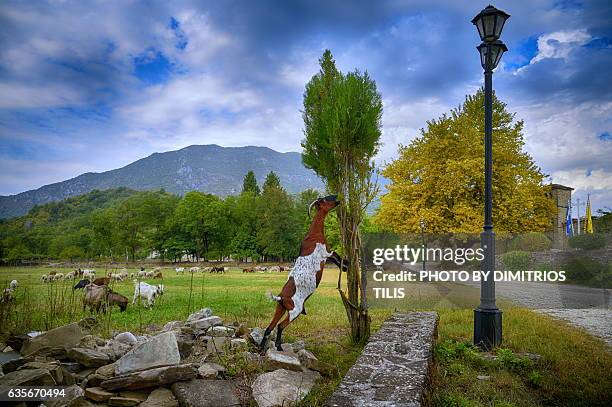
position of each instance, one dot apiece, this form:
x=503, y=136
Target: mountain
x=207, y=168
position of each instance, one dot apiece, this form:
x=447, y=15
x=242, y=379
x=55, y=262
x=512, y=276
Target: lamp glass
x=490, y=54
x=490, y=23
x=499, y=24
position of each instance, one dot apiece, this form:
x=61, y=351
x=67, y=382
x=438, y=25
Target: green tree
x=342, y=118
x=104, y=233
x=439, y=177
x=280, y=230
x=272, y=182
x=72, y=253
x=203, y=218
x=130, y=228
x=249, y=184
x=244, y=215
x=18, y=254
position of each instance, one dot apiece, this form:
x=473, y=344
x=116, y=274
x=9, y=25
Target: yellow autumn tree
x=439, y=177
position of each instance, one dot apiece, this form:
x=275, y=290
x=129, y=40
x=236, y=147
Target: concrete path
x=584, y=307
x=394, y=368
x=594, y=320
x=549, y=295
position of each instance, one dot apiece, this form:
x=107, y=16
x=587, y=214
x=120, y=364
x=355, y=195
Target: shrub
x=511, y=361
x=531, y=242
x=516, y=260
x=585, y=269
x=534, y=378
x=588, y=241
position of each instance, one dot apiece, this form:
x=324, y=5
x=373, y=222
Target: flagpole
x=578, y=212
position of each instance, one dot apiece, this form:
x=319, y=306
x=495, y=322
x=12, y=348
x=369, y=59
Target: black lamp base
x=487, y=328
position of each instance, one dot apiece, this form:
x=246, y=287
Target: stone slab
x=395, y=365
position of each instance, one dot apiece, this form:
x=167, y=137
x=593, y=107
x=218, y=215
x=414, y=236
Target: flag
x=588, y=221
x=569, y=225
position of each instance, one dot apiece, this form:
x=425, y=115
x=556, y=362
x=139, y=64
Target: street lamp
x=423, y=224
x=487, y=317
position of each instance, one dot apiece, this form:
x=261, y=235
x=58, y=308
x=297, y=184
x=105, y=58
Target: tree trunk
x=355, y=303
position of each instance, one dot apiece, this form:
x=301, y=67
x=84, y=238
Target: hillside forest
x=259, y=224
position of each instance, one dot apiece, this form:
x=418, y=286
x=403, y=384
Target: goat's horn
x=310, y=206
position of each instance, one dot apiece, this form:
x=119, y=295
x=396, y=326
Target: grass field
x=575, y=368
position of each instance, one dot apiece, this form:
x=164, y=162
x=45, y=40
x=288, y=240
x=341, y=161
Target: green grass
x=575, y=368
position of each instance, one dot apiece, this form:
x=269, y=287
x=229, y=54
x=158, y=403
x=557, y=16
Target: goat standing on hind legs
x=306, y=275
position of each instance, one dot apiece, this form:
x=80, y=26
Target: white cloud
x=182, y=97
x=25, y=95
x=582, y=179
x=558, y=44
x=561, y=136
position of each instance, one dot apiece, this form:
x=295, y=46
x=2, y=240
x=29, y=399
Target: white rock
x=221, y=331
x=172, y=325
x=205, y=323
x=126, y=337
x=203, y=313
x=210, y=370
x=282, y=387
x=239, y=343
x=160, y=350
x=282, y=360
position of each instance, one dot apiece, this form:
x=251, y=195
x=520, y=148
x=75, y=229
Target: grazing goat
x=306, y=274
x=89, y=274
x=69, y=276
x=81, y=284
x=141, y=274
x=13, y=285
x=102, y=281
x=158, y=274
x=248, y=270
x=7, y=296
x=94, y=297
x=147, y=292
x=179, y=270
x=217, y=270
x=194, y=270
x=113, y=298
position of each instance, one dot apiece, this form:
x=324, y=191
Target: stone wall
x=395, y=366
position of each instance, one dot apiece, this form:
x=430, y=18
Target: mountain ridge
x=207, y=168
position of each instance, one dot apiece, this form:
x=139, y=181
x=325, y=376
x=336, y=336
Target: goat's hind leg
x=278, y=314
x=279, y=332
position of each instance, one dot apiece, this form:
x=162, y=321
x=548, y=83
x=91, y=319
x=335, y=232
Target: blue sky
x=91, y=86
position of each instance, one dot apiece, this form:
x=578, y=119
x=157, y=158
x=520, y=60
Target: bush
x=531, y=242
x=516, y=260
x=585, y=269
x=588, y=241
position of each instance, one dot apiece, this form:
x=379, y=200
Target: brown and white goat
x=306, y=275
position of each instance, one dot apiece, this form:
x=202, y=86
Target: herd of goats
x=99, y=295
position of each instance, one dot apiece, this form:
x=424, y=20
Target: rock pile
x=181, y=365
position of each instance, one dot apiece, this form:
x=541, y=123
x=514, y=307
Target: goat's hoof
x=279, y=348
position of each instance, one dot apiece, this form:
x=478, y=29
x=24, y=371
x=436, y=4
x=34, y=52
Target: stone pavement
x=594, y=320
x=395, y=366
x=585, y=307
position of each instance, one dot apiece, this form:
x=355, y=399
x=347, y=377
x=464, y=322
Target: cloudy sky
x=94, y=85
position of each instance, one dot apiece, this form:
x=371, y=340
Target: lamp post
x=423, y=224
x=487, y=317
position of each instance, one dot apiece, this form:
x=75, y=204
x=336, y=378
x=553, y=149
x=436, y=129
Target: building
x=561, y=195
